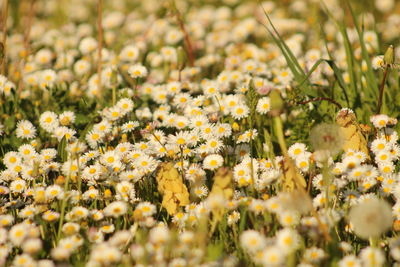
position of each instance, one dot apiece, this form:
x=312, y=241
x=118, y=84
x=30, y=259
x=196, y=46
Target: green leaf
x=372, y=85
x=215, y=251
x=82, y=119
x=62, y=152
x=291, y=60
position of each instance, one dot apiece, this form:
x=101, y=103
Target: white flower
x=25, y=130
x=288, y=240
x=159, y=235
x=18, y=186
x=67, y=118
x=213, y=161
x=252, y=241
x=211, y=89
x=47, y=78
x=129, y=53
x=384, y=5
x=314, y=254
x=349, y=261
x=263, y=105
x=372, y=257
x=240, y=111
x=116, y=209
x=377, y=62
x=87, y=45
x=48, y=121
x=296, y=150
x=273, y=256
x=146, y=208
x=82, y=67
x=18, y=233
x=137, y=71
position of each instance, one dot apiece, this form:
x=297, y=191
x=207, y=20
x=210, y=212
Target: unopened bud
x=389, y=55
x=235, y=126
x=276, y=102
x=107, y=193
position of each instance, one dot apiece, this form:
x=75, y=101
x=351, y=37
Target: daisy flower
x=200, y=191
x=129, y=53
x=137, y=71
x=222, y=130
x=48, y=121
x=25, y=130
x=82, y=67
x=129, y=126
x=18, y=186
x=272, y=256
x=372, y=257
x=252, y=241
x=296, y=150
x=94, y=138
x=233, y=218
x=263, y=105
x=110, y=157
x=288, y=239
x=67, y=118
x=116, y=209
x=240, y=111
x=379, y=144
x=314, y=255
x=213, y=162
x=125, y=105
x=211, y=89
x=146, y=208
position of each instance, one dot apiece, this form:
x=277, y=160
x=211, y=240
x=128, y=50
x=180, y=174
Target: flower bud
x=389, y=56
x=276, y=102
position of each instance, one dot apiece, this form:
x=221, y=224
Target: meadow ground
x=199, y=133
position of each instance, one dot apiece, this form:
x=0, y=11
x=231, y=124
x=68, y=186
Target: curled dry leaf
x=172, y=188
x=352, y=132
x=291, y=176
x=223, y=183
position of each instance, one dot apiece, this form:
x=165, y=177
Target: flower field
x=199, y=133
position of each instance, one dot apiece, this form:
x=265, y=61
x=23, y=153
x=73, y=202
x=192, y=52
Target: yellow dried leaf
x=223, y=183
x=222, y=187
x=172, y=188
x=352, y=132
x=291, y=175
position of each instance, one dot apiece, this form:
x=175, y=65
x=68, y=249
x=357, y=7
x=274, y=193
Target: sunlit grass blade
x=290, y=58
x=372, y=84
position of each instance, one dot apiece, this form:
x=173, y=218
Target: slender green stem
x=100, y=43
x=114, y=95
x=326, y=176
x=381, y=89
x=63, y=206
x=4, y=40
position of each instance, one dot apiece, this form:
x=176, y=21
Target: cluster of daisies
x=194, y=85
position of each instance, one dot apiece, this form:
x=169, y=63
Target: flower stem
x=320, y=99
x=63, y=204
x=100, y=43
x=4, y=40
x=381, y=89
